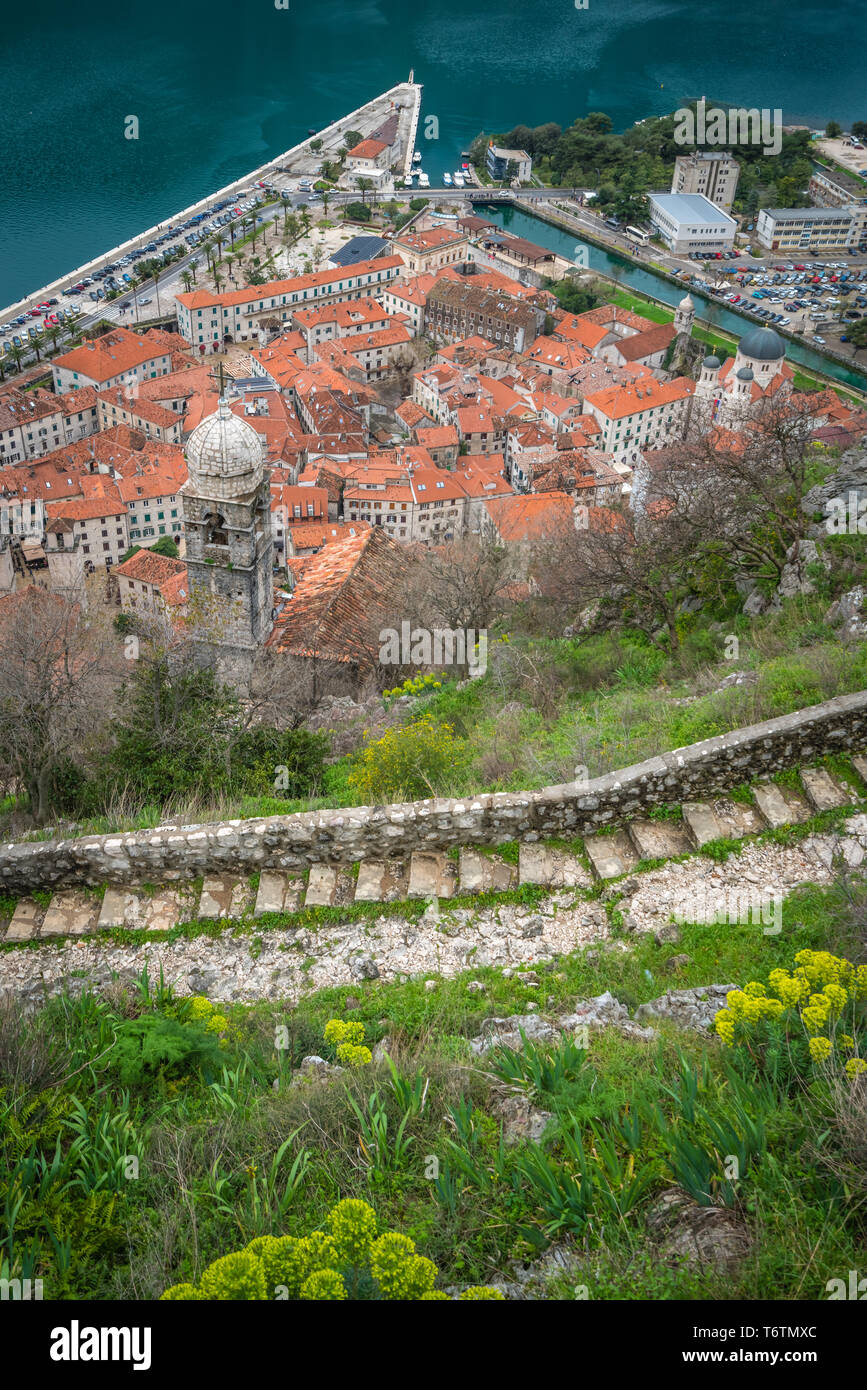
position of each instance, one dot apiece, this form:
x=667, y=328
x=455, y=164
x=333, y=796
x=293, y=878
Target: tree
x=364, y=186
x=187, y=280
x=156, y=279
x=357, y=212
x=738, y=496
x=57, y=677
x=857, y=334
x=574, y=298
x=833, y=129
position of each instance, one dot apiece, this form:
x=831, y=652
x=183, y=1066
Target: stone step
x=720, y=820
x=277, y=893
x=825, y=790
x=485, y=873
x=701, y=822
x=611, y=855
x=25, y=921
x=321, y=886
x=780, y=805
x=547, y=867
x=859, y=762
x=381, y=881
x=224, y=896
x=138, y=910
x=738, y=818
x=659, y=839
x=431, y=875
x=71, y=912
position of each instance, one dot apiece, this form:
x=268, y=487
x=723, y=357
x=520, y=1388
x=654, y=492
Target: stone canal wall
x=171, y=853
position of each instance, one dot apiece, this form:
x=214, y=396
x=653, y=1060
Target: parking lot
x=88, y=299
x=816, y=299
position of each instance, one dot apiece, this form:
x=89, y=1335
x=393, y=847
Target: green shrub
x=414, y=761
x=154, y=1046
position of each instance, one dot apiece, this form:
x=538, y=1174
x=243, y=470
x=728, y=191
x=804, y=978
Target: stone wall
x=170, y=852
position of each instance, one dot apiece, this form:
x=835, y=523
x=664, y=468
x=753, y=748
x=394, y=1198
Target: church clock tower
x=229, y=547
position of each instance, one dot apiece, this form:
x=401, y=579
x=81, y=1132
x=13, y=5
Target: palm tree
x=54, y=334
x=219, y=239
x=37, y=335
x=156, y=279
x=363, y=185
x=228, y=262
x=17, y=353
x=306, y=220
x=325, y=200
x=187, y=279
x=293, y=227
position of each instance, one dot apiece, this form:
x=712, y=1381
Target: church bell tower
x=229, y=546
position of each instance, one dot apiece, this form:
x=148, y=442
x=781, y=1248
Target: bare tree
x=57, y=676
x=630, y=564
x=739, y=490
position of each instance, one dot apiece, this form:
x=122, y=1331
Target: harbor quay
x=303, y=159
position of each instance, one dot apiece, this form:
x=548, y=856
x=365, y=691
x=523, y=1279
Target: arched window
x=215, y=529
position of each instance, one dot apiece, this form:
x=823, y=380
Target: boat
x=447, y=180
x=416, y=158
x=458, y=179
x=407, y=183
x=423, y=180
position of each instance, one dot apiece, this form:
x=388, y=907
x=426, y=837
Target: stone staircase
x=436, y=874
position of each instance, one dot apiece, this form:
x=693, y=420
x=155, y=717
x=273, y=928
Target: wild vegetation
x=149, y=1141
x=623, y=168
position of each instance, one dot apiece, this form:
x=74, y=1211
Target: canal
x=643, y=281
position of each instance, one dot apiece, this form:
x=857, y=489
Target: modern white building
x=811, y=229
x=691, y=222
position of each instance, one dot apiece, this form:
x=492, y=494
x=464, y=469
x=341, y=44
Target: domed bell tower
x=229, y=546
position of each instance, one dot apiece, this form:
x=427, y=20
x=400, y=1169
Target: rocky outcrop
x=849, y=615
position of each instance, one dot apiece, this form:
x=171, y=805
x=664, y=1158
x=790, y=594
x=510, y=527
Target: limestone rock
x=689, y=1008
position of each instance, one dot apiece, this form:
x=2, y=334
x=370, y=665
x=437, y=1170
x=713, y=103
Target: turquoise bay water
x=221, y=87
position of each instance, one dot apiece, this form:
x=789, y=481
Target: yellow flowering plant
x=349, y=1261
x=809, y=1001
x=347, y=1038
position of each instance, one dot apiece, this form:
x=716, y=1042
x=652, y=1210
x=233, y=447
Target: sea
x=221, y=86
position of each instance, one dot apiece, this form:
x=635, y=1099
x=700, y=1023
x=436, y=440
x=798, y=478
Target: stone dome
x=745, y=374
x=225, y=455
x=686, y=304
x=711, y=361
x=762, y=344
